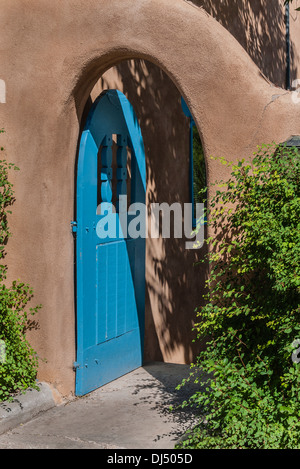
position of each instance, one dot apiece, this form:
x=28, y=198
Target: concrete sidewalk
x=132, y=412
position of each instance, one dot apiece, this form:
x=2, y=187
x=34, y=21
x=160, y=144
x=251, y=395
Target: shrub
x=251, y=317
x=18, y=361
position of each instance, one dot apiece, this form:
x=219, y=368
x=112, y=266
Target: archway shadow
x=174, y=280
x=160, y=389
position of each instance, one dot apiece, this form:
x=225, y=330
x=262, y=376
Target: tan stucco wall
x=295, y=40
x=52, y=54
x=259, y=26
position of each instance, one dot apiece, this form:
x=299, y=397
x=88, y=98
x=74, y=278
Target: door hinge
x=74, y=227
x=76, y=365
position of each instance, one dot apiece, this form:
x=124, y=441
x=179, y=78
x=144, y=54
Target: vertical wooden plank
x=101, y=300
x=121, y=291
x=110, y=292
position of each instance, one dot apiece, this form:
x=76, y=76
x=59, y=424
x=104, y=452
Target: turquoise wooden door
x=110, y=265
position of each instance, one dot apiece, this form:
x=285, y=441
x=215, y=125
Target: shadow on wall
x=174, y=284
x=259, y=26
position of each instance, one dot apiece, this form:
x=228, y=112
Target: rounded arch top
x=221, y=85
x=188, y=44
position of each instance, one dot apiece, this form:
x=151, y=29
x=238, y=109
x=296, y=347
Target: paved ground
x=130, y=413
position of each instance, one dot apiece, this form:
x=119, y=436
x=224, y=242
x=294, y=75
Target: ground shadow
x=166, y=399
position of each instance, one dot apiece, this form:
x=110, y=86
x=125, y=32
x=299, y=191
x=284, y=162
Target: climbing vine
x=18, y=360
x=250, y=371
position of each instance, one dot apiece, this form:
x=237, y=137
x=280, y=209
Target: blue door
x=110, y=264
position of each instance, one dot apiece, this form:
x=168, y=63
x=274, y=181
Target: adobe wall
x=52, y=54
x=260, y=27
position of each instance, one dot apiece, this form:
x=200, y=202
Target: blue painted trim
x=187, y=113
x=192, y=125
x=185, y=108
x=288, y=47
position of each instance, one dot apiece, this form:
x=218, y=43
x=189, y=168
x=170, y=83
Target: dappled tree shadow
x=259, y=26
x=166, y=397
x=174, y=280
x=174, y=284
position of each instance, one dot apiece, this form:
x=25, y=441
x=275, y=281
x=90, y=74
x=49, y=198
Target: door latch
x=74, y=227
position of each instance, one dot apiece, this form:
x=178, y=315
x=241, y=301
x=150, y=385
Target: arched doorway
x=218, y=82
x=173, y=289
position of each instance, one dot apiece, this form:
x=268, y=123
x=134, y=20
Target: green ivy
x=250, y=393
x=18, y=360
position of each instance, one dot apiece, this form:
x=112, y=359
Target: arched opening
x=234, y=107
x=174, y=285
